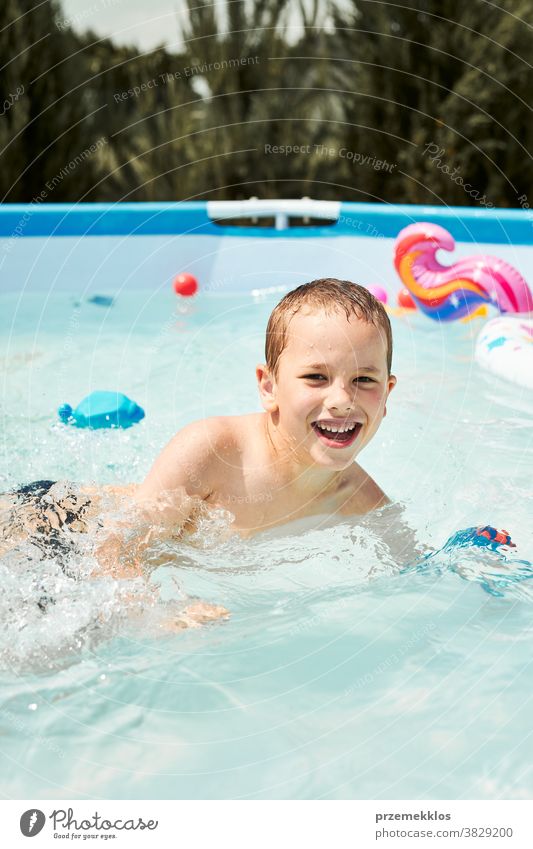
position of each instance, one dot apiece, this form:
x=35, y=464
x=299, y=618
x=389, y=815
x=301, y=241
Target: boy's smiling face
x=328, y=398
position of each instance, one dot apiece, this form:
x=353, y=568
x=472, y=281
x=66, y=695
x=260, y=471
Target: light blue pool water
x=337, y=675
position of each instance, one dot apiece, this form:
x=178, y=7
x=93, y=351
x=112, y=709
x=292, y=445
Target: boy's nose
x=340, y=399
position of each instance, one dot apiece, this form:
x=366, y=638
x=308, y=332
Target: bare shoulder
x=192, y=459
x=206, y=435
x=363, y=494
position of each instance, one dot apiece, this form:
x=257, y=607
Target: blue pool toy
x=101, y=300
x=484, y=537
x=497, y=574
x=102, y=409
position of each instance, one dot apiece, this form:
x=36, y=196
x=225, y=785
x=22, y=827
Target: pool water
x=342, y=671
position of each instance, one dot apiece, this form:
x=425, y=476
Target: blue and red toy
x=485, y=537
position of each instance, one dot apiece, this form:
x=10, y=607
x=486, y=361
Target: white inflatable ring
x=505, y=347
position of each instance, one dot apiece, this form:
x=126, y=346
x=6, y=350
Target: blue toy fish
x=102, y=410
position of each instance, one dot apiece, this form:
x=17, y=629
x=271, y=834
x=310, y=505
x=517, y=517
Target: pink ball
x=185, y=284
x=379, y=293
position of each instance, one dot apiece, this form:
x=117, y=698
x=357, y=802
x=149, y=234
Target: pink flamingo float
x=446, y=293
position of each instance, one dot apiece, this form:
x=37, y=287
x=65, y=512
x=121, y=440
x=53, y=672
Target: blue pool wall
x=109, y=248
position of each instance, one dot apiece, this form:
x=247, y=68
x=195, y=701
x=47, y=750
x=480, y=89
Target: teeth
x=336, y=429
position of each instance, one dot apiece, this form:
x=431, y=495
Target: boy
x=324, y=389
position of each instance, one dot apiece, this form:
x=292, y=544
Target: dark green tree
x=408, y=98
x=440, y=88
x=53, y=121
x=258, y=94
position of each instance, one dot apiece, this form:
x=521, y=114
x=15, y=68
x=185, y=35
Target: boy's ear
x=267, y=388
x=392, y=383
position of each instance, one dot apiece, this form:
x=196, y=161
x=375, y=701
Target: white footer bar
x=269, y=824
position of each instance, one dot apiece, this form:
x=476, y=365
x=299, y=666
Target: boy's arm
x=182, y=477
x=407, y=550
x=368, y=499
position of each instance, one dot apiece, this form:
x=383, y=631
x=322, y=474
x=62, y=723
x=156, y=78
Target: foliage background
x=379, y=79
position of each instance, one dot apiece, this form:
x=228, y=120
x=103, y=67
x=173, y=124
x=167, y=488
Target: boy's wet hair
x=330, y=295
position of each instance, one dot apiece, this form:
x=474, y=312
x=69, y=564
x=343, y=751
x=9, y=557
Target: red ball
x=185, y=284
x=405, y=300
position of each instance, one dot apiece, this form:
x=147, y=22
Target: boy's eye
x=319, y=377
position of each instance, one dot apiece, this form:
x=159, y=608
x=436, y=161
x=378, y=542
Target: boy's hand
x=194, y=615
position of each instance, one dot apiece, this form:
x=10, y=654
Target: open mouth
x=337, y=436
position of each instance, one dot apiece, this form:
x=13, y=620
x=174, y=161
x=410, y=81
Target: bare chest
x=258, y=502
